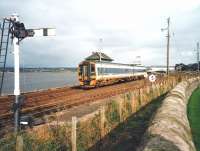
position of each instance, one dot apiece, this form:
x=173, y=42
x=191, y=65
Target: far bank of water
x=194, y=116
x=32, y=81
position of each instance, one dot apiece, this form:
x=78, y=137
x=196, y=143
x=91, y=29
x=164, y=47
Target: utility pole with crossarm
x=168, y=41
x=197, y=50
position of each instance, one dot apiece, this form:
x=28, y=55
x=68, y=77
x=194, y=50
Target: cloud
x=128, y=28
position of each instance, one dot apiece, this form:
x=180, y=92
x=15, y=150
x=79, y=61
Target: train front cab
x=87, y=74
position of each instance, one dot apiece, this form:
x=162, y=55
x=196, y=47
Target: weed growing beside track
x=193, y=116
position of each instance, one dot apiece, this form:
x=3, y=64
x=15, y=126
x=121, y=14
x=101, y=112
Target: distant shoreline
x=40, y=80
x=42, y=69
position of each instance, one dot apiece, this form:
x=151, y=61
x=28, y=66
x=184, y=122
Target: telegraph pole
x=100, y=48
x=168, y=42
x=197, y=56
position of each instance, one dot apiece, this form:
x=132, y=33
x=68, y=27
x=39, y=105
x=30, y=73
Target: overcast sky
x=129, y=28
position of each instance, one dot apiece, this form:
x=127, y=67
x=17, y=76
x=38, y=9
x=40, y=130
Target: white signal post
x=16, y=76
x=16, y=61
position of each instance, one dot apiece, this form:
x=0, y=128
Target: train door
x=86, y=72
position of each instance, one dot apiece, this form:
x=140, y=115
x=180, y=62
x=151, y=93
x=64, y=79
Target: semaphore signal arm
x=19, y=31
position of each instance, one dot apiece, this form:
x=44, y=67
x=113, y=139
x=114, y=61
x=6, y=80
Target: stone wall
x=170, y=129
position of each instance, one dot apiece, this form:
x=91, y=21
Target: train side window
x=104, y=71
x=107, y=70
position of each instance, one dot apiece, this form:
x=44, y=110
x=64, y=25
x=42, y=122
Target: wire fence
x=88, y=132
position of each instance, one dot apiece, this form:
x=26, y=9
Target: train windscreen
x=80, y=70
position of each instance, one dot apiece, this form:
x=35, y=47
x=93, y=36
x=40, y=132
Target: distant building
x=161, y=69
x=184, y=67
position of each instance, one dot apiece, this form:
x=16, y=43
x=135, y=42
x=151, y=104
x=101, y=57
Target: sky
x=128, y=28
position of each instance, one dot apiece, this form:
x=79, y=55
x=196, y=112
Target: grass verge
x=193, y=116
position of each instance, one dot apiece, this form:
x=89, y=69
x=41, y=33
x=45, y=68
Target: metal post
x=100, y=56
x=16, y=79
x=100, y=48
x=168, y=40
x=198, y=57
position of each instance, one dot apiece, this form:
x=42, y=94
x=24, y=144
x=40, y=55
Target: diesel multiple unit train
x=98, y=73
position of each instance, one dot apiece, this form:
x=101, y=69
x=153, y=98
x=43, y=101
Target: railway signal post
x=18, y=33
x=16, y=77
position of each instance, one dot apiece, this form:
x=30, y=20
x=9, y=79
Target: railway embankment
x=170, y=129
x=93, y=131
x=102, y=128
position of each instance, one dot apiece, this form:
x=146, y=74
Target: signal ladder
x=4, y=42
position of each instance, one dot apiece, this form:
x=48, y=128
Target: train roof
x=97, y=56
x=113, y=63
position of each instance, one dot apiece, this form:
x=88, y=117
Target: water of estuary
x=33, y=81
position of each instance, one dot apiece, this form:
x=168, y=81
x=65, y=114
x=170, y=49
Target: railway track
x=38, y=104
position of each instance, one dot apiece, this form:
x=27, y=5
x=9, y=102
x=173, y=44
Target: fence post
x=145, y=94
x=19, y=143
x=161, y=87
x=153, y=90
x=133, y=104
x=120, y=111
x=148, y=94
x=141, y=96
x=73, y=135
x=102, y=121
x=158, y=89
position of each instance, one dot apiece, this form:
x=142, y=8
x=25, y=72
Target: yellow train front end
x=87, y=74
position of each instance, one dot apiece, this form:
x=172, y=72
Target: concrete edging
x=170, y=129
